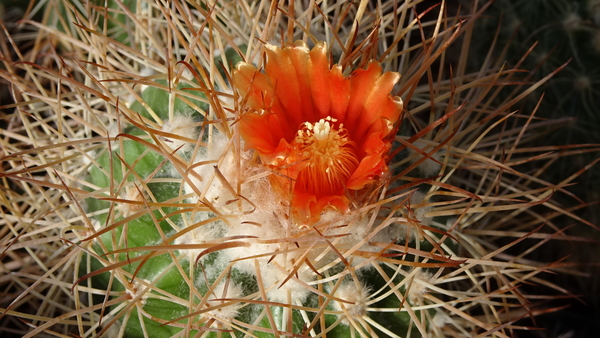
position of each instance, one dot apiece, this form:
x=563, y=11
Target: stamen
x=329, y=154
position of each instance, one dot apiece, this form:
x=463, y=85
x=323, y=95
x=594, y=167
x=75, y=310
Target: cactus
x=187, y=181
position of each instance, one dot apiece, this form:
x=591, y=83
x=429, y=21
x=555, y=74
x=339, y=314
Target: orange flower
x=326, y=134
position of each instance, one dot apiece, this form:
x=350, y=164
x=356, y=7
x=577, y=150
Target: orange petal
x=256, y=131
x=254, y=85
x=259, y=92
x=370, y=168
x=362, y=82
x=373, y=162
x=280, y=69
x=307, y=208
x=299, y=55
x=379, y=105
x=340, y=94
x=318, y=70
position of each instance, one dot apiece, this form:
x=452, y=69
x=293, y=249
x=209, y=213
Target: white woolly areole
x=421, y=211
x=428, y=167
x=134, y=198
x=202, y=234
x=136, y=289
x=114, y=128
x=355, y=296
x=183, y=126
x=440, y=319
x=355, y=234
x=418, y=286
x=215, y=172
x=292, y=290
x=411, y=229
x=145, y=72
x=222, y=295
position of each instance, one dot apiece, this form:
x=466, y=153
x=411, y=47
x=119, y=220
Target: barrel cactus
x=266, y=169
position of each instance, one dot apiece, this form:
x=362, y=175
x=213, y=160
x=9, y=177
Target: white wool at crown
x=220, y=295
x=184, y=126
x=265, y=222
x=262, y=223
x=205, y=182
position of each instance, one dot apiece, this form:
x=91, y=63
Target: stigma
x=321, y=129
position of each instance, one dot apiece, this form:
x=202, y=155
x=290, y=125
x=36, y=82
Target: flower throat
x=329, y=154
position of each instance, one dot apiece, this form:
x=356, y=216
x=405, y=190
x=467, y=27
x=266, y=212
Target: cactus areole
x=325, y=134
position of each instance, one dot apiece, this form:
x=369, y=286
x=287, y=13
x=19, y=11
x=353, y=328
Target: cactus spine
x=169, y=225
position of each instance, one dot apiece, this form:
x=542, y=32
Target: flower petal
x=373, y=163
x=256, y=87
x=362, y=82
x=307, y=208
x=340, y=94
x=257, y=134
x=318, y=71
x=280, y=69
x=299, y=55
x=379, y=104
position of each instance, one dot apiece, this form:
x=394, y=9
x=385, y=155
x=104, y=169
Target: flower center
x=330, y=156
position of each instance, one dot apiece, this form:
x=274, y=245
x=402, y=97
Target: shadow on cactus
x=299, y=169
x=540, y=36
